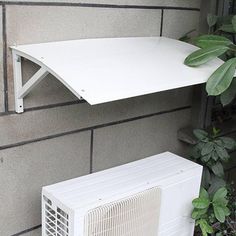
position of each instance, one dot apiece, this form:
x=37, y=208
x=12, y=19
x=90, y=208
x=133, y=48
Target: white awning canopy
x=105, y=70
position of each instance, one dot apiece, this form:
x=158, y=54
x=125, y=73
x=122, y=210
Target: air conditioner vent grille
x=56, y=221
x=136, y=215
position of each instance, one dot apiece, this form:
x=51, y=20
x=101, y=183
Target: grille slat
x=50, y=228
x=49, y=233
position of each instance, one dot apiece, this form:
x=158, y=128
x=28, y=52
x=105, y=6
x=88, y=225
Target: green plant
x=208, y=209
x=229, y=226
x=214, y=211
x=215, y=214
x=218, y=42
x=212, y=152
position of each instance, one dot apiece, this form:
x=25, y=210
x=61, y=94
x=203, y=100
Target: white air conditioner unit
x=149, y=197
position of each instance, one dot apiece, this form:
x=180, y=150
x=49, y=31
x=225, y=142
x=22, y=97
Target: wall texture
x=58, y=137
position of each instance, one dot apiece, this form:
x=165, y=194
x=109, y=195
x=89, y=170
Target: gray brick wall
x=58, y=137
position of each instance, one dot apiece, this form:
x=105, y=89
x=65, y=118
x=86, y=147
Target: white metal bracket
x=22, y=90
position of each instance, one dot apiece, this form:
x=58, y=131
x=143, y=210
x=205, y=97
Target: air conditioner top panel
x=109, y=69
x=109, y=185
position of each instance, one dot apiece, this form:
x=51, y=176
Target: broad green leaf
x=227, y=211
x=206, y=41
x=219, y=213
x=221, y=79
x=200, y=134
x=197, y=213
x=218, y=169
x=195, y=152
x=201, y=203
x=205, y=227
x=211, y=19
x=204, y=55
x=222, y=153
x=229, y=143
x=206, y=158
x=234, y=23
x=228, y=28
x=228, y=95
x=214, y=156
x=207, y=148
x=222, y=202
x=219, y=142
x=201, y=144
x=221, y=193
x=204, y=193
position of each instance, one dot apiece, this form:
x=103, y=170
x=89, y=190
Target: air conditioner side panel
x=176, y=207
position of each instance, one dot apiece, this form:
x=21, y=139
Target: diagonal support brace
x=22, y=90
x=32, y=82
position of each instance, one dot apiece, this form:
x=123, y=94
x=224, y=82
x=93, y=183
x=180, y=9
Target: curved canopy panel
x=104, y=70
